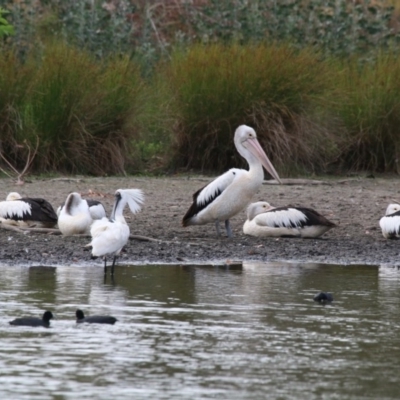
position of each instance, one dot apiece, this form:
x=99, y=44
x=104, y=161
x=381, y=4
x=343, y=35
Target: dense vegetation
x=153, y=86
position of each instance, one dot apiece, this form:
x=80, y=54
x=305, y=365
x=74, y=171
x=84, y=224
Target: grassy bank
x=103, y=116
x=141, y=87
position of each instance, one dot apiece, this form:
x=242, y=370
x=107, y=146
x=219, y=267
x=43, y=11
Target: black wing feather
x=41, y=208
x=195, y=208
x=312, y=217
x=92, y=203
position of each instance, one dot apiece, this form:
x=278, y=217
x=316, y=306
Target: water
x=203, y=332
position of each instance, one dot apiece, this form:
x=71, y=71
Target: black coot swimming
x=94, y=319
x=323, y=297
x=33, y=321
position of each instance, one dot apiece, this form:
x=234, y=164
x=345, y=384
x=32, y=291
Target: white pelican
x=109, y=236
x=17, y=210
x=74, y=216
x=228, y=194
x=96, y=209
x=390, y=223
x=94, y=319
x=266, y=221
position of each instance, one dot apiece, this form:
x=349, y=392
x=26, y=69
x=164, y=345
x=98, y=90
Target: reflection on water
x=247, y=332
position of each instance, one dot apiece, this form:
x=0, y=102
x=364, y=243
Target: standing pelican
x=264, y=220
x=74, y=216
x=109, y=236
x=228, y=194
x=390, y=223
x=17, y=210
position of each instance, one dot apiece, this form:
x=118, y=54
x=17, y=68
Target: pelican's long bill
x=256, y=149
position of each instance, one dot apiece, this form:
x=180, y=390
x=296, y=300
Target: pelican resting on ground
x=27, y=211
x=263, y=220
x=390, y=223
x=76, y=215
x=33, y=321
x=96, y=209
x=109, y=236
x=94, y=319
x=231, y=192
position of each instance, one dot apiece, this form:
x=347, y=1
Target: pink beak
x=258, y=152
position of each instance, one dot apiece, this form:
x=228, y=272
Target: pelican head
x=257, y=208
x=249, y=148
x=392, y=208
x=13, y=196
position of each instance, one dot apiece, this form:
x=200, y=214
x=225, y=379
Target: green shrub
x=147, y=29
x=5, y=28
x=334, y=27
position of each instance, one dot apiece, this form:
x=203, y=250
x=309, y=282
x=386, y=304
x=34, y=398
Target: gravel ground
x=354, y=204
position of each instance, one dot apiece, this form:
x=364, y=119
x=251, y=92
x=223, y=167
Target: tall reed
x=269, y=87
x=78, y=108
x=15, y=80
x=369, y=107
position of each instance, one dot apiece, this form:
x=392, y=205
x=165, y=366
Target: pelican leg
x=228, y=228
x=105, y=265
x=112, y=266
x=217, y=228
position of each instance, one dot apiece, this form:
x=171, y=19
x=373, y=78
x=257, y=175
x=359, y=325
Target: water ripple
x=202, y=332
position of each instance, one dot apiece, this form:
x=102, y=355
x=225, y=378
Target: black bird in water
x=94, y=319
x=33, y=321
x=323, y=297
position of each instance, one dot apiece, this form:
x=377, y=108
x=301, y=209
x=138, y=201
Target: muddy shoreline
x=354, y=204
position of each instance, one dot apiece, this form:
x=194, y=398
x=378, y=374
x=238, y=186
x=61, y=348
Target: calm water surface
x=203, y=332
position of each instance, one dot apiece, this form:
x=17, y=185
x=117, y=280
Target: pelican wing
x=15, y=209
x=41, y=207
x=108, y=237
x=135, y=199
x=291, y=217
x=99, y=227
x=207, y=194
x=313, y=217
x=390, y=225
x=282, y=217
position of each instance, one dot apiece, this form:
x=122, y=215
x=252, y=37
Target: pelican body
x=76, y=215
x=390, y=223
x=17, y=210
x=231, y=192
x=263, y=220
x=96, y=208
x=109, y=236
